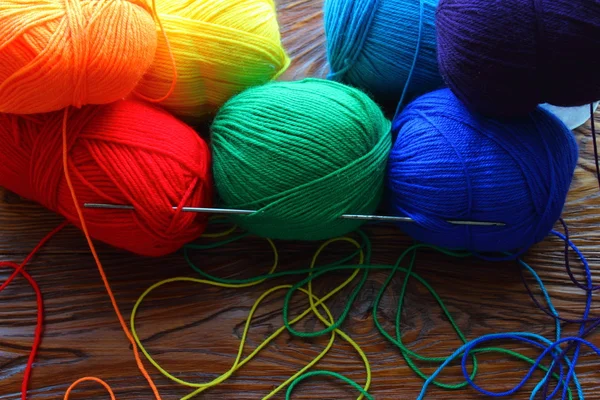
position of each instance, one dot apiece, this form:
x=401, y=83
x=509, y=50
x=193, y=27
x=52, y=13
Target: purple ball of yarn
x=504, y=57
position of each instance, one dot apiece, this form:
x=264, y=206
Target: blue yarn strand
x=356, y=17
x=524, y=337
x=588, y=303
x=415, y=58
x=548, y=347
x=547, y=377
x=558, y=332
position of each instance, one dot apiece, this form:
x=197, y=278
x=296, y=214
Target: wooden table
x=194, y=330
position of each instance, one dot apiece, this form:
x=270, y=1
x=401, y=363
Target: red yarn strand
x=39, y=326
x=33, y=252
x=37, y=338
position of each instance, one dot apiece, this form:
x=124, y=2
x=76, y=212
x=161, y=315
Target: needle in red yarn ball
x=126, y=152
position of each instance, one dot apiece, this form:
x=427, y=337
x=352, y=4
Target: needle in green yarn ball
x=301, y=154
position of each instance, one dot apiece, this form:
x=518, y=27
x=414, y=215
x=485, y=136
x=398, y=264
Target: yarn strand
x=171, y=57
x=37, y=248
x=592, y=117
x=588, y=305
x=20, y=269
x=538, y=341
x=315, y=302
x=414, y=62
x=37, y=336
x=65, y=160
x=361, y=390
x=90, y=379
x=588, y=289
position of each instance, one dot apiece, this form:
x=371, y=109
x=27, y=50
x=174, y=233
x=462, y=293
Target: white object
x=573, y=117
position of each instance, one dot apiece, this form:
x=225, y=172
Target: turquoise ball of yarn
x=301, y=154
x=450, y=164
x=384, y=47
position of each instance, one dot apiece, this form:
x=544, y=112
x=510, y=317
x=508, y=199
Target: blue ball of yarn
x=450, y=164
x=383, y=46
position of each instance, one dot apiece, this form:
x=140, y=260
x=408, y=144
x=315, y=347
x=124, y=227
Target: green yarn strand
x=340, y=265
x=290, y=389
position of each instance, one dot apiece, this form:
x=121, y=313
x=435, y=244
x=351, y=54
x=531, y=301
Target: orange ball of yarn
x=56, y=53
x=126, y=152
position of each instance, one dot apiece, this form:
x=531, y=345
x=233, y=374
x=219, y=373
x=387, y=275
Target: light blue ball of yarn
x=384, y=47
x=450, y=164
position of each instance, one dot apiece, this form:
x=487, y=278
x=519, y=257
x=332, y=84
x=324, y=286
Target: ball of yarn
x=124, y=153
x=301, y=154
x=450, y=164
x=56, y=53
x=383, y=46
x=220, y=48
x=506, y=57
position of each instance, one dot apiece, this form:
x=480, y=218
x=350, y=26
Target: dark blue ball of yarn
x=450, y=164
x=504, y=57
x=380, y=45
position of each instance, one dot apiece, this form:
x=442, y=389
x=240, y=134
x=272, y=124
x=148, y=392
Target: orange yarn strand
x=171, y=56
x=92, y=379
x=100, y=269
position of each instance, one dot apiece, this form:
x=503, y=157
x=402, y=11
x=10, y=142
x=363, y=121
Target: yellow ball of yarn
x=220, y=48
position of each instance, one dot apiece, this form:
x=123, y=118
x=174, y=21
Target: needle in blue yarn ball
x=448, y=163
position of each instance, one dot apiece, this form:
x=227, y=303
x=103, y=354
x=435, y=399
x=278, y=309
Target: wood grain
x=194, y=330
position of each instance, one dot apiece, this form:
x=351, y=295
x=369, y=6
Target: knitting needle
x=234, y=211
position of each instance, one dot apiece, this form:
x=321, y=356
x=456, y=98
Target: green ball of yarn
x=301, y=154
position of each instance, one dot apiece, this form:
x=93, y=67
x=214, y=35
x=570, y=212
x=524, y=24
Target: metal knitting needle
x=234, y=211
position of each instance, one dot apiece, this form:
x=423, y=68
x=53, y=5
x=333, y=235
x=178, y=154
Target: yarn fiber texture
x=124, y=153
x=450, y=164
x=220, y=48
x=57, y=53
x=301, y=154
x=375, y=44
x=504, y=57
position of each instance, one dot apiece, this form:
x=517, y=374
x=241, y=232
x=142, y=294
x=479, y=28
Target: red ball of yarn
x=126, y=152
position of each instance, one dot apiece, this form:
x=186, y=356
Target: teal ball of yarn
x=301, y=154
x=450, y=164
x=384, y=47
